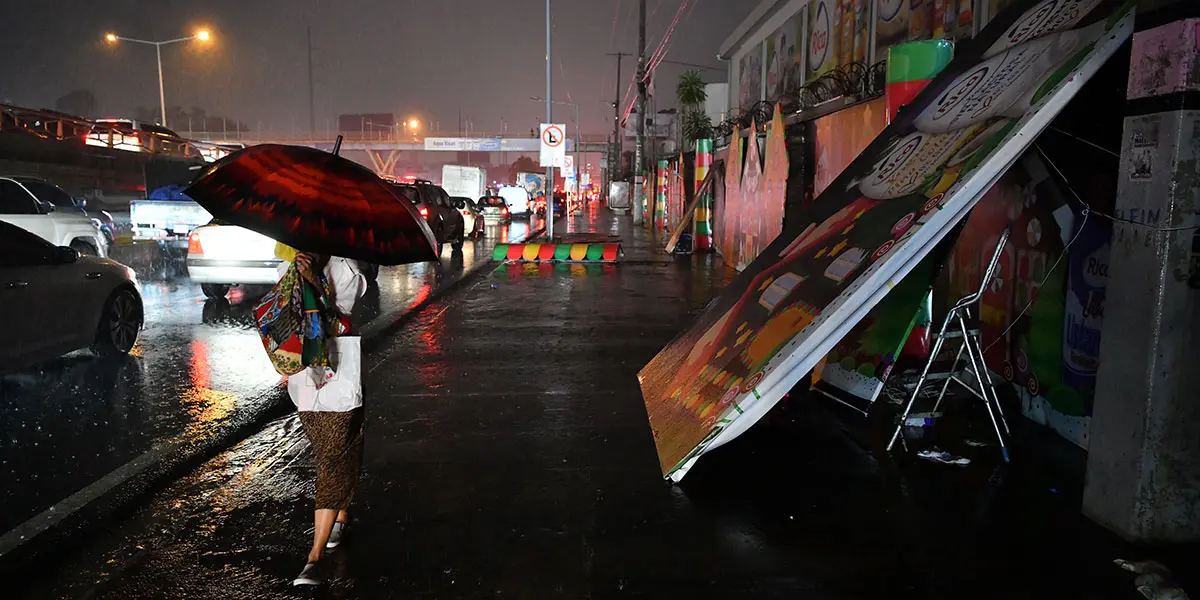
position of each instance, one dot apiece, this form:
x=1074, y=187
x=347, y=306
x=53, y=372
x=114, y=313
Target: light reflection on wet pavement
x=197, y=371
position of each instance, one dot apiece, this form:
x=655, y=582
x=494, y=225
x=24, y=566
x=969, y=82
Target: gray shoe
x=335, y=536
x=309, y=576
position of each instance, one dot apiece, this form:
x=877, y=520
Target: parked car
x=54, y=300
x=22, y=205
x=494, y=208
x=472, y=218
x=439, y=211
x=221, y=256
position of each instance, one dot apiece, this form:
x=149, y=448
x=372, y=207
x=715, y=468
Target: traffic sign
x=568, y=166
x=554, y=147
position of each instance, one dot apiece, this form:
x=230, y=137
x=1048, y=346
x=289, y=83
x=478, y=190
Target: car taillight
x=504, y=211
x=194, y=246
x=466, y=213
x=424, y=212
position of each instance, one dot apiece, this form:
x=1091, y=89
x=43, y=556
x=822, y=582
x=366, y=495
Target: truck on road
x=466, y=182
x=534, y=183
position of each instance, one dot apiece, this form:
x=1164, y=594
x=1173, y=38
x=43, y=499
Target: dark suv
x=439, y=211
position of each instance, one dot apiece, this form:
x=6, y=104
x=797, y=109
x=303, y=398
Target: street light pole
x=162, y=95
x=639, y=171
x=202, y=35
x=549, y=119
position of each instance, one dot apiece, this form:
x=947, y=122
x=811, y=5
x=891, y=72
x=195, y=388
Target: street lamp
x=414, y=124
x=202, y=35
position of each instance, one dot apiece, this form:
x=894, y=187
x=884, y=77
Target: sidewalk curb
x=50, y=534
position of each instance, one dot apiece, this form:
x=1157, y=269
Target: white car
x=54, y=301
x=20, y=205
x=472, y=218
x=517, y=199
x=221, y=256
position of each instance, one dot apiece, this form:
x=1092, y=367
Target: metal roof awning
x=878, y=219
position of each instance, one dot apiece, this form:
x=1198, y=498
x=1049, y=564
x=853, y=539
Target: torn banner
x=874, y=224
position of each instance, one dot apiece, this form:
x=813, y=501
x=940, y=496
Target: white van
x=517, y=199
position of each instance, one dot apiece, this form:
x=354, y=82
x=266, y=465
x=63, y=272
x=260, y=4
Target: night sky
x=427, y=59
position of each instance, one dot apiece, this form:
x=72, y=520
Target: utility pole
x=614, y=158
x=639, y=159
x=549, y=119
x=312, y=113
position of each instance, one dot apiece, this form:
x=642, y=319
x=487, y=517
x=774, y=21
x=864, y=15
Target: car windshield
x=491, y=201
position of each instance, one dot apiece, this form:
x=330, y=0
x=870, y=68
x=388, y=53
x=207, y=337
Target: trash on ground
x=943, y=457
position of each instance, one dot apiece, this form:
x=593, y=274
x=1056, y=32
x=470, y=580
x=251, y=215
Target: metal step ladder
x=971, y=374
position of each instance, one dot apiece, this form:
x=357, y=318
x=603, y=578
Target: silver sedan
x=54, y=301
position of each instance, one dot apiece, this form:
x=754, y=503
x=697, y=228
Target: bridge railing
x=62, y=127
x=362, y=136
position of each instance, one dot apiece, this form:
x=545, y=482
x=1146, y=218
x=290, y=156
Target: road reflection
x=198, y=368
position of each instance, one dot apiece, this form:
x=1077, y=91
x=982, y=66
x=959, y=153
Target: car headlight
x=97, y=223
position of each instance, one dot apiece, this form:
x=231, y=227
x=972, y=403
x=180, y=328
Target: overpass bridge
x=97, y=161
x=383, y=150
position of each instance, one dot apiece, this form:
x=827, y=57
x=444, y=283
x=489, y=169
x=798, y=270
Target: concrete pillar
x=1143, y=471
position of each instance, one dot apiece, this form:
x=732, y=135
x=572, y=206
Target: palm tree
x=691, y=91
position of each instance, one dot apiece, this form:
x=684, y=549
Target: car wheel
x=84, y=248
x=214, y=290
x=119, y=324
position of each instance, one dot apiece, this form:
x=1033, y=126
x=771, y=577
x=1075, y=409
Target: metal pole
x=312, y=113
x=162, y=96
x=640, y=147
x=549, y=119
x=614, y=158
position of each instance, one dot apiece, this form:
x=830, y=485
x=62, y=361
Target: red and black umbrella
x=315, y=201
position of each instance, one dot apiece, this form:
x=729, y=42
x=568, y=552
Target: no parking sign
x=553, y=145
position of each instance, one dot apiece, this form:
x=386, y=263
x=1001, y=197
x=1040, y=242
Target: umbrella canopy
x=315, y=201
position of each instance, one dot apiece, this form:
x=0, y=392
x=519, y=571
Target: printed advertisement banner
x=841, y=136
x=750, y=77
x=899, y=21
x=784, y=53
x=837, y=35
x=874, y=224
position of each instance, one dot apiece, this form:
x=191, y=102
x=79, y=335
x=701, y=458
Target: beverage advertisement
x=873, y=224
x=899, y=21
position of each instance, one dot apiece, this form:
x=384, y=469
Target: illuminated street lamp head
x=203, y=35
x=413, y=124
x=110, y=38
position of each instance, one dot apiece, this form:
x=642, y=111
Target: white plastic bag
x=343, y=390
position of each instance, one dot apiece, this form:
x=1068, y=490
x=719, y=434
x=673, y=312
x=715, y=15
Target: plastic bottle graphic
x=939, y=18
x=861, y=30
x=845, y=32
x=920, y=14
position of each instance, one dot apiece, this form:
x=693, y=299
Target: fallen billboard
x=874, y=224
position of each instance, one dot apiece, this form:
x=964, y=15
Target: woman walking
x=330, y=410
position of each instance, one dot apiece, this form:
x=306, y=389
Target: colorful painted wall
x=751, y=216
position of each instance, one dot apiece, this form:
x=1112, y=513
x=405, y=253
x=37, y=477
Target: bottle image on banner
x=919, y=20
x=845, y=32
x=939, y=18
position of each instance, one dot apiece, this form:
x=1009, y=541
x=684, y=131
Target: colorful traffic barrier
x=703, y=240
x=585, y=252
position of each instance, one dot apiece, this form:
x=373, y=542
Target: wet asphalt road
x=198, y=369
x=508, y=456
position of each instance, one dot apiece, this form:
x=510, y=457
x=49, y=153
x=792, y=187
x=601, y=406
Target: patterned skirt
x=337, y=442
